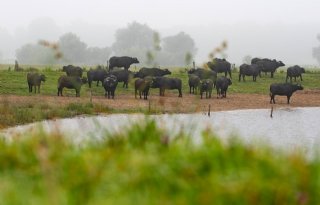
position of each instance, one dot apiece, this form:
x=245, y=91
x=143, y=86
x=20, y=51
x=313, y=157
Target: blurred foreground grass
x=143, y=166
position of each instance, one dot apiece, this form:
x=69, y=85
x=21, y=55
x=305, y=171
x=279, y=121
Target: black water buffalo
x=255, y=60
x=283, y=89
x=71, y=82
x=249, y=70
x=204, y=74
x=155, y=72
x=194, y=82
x=206, y=86
x=110, y=84
x=72, y=70
x=122, y=76
x=167, y=83
x=96, y=75
x=295, y=71
x=220, y=66
x=268, y=65
x=143, y=86
x=34, y=79
x=222, y=86
x=123, y=61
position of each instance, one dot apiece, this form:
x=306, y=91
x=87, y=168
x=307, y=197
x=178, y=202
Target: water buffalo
x=167, y=83
x=143, y=72
x=194, y=82
x=222, y=86
x=204, y=74
x=110, y=84
x=268, y=65
x=283, y=89
x=96, y=75
x=143, y=86
x=295, y=71
x=71, y=82
x=72, y=70
x=249, y=70
x=220, y=66
x=206, y=86
x=123, y=61
x=122, y=76
x=34, y=79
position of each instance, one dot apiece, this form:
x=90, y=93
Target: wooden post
x=271, y=112
x=149, y=106
x=209, y=110
x=90, y=95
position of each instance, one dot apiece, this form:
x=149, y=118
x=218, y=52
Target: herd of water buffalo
x=200, y=79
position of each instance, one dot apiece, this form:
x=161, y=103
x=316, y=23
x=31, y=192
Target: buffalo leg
x=288, y=99
x=300, y=77
x=180, y=93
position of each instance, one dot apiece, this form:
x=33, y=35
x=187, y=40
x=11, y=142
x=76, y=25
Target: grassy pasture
x=14, y=83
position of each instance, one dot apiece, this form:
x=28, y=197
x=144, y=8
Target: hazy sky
x=169, y=16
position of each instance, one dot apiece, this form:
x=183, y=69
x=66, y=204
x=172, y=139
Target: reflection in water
x=289, y=128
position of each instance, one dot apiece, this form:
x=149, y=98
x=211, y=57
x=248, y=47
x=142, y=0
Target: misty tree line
x=137, y=40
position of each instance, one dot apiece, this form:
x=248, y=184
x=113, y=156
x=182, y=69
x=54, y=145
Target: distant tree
x=73, y=50
x=316, y=51
x=247, y=59
x=35, y=54
x=95, y=55
x=176, y=48
x=188, y=58
x=135, y=40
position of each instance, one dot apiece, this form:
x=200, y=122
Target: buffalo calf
x=34, y=79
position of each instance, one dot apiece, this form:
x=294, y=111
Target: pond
x=289, y=128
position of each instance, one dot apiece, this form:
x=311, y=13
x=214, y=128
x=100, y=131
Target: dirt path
x=171, y=103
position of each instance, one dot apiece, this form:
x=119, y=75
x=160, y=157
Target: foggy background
x=283, y=29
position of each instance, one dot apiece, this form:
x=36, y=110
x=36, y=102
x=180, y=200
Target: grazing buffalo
x=204, y=74
x=222, y=86
x=34, y=79
x=122, y=76
x=249, y=70
x=220, y=66
x=155, y=72
x=206, y=86
x=71, y=82
x=143, y=86
x=194, y=82
x=295, y=71
x=283, y=89
x=123, y=61
x=167, y=83
x=110, y=84
x=96, y=75
x=72, y=70
x=268, y=65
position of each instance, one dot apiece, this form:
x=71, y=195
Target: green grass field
x=14, y=83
